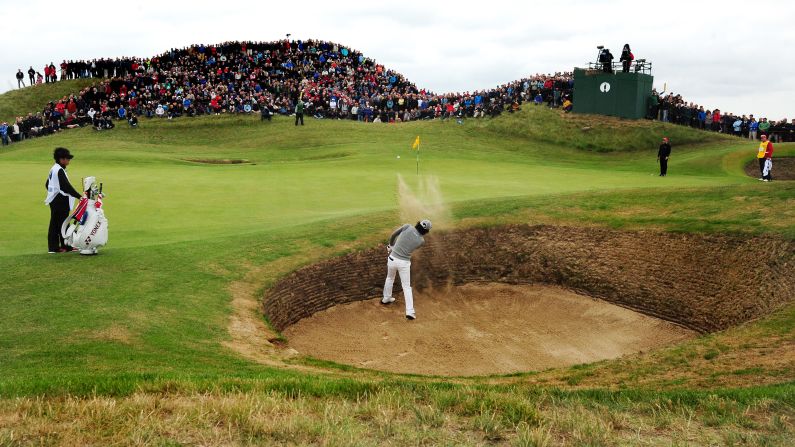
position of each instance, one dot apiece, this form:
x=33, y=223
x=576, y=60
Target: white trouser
x=395, y=265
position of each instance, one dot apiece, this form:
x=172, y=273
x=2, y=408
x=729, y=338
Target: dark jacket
x=665, y=150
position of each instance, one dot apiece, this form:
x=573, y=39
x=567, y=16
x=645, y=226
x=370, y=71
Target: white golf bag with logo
x=87, y=228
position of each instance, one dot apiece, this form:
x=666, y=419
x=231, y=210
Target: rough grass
x=134, y=347
x=594, y=132
x=419, y=416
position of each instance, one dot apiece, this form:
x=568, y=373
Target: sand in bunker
x=480, y=329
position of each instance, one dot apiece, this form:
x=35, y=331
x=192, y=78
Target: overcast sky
x=736, y=56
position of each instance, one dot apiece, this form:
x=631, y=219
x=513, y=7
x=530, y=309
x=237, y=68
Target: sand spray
x=425, y=201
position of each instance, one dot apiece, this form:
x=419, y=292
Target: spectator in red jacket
x=71, y=107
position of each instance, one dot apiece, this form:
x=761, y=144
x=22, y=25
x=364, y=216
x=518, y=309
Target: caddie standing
x=60, y=196
x=402, y=243
x=765, y=156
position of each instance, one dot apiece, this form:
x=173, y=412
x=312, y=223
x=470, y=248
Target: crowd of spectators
x=331, y=82
x=673, y=109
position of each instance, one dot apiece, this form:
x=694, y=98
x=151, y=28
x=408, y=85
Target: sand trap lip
x=218, y=161
x=480, y=329
x=700, y=282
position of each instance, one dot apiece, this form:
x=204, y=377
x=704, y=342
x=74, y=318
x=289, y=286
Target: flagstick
x=418, y=160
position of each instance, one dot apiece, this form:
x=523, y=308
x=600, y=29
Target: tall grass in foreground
x=457, y=416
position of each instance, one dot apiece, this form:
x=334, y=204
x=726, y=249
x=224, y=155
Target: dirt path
x=480, y=329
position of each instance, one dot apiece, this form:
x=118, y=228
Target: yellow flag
x=416, y=145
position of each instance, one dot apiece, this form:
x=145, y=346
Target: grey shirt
x=405, y=240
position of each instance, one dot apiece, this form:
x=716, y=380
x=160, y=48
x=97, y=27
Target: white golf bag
x=87, y=228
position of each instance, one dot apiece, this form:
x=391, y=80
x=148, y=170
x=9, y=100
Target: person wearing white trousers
x=402, y=243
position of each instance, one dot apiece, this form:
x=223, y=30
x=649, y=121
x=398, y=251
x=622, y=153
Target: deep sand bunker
x=496, y=300
x=479, y=329
x=783, y=168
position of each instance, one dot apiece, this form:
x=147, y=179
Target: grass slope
x=20, y=102
x=144, y=329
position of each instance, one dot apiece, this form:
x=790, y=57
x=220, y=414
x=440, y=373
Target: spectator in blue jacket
x=4, y=133
x=702, y=118
x=753, y=127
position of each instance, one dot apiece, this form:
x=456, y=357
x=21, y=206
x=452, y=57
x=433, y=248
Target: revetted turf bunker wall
x=703, y=282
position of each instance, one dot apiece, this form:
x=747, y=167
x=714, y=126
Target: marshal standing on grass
x=402, y=243
x=60, y=197
x=662, y=156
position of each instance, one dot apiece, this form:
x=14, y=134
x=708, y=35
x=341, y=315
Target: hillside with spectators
x=329, y=81
x=320, y=79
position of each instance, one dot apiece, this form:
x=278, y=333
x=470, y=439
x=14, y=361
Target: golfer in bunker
x=402, y=243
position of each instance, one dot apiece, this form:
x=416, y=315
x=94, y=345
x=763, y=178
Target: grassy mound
x=594, y=132
x=161, y=336
x=20, y=102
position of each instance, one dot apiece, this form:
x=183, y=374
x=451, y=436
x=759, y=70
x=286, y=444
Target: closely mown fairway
x=140, y=344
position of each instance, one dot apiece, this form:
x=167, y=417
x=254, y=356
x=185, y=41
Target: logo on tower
x=605, y=87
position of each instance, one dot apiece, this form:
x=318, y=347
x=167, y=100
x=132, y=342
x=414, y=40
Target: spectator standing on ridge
x=16, y=133
x=737, y=127
x=32, y=75
x=765, y=156
x=20, y=79
x=764, y=126
x=4, y=133
x=716, y=120
x=654, y=105
x=753, y=126
x=299, y=112
x=626, y=58
x=662, y=156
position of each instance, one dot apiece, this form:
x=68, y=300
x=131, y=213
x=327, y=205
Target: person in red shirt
x=765, y=156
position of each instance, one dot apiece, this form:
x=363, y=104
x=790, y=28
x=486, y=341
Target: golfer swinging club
x=402, y=243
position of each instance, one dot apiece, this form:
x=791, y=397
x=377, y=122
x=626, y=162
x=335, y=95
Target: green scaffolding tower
x=615, y=94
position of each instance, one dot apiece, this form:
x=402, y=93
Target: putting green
x=325, y=170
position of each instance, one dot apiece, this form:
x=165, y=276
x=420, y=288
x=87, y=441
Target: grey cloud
x=715, y=56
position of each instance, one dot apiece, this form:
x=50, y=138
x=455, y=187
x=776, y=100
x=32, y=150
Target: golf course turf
x=161, y=338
